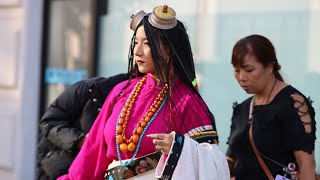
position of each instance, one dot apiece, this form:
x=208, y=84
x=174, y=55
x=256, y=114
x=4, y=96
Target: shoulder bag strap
x=255, y=150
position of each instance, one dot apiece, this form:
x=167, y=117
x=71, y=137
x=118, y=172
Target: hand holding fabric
x=162, y=142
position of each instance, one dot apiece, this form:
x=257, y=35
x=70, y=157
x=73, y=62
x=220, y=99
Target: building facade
x=20, y=50
x=47, y=45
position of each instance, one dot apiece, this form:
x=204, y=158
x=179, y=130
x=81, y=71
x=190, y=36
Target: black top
x=277, y=130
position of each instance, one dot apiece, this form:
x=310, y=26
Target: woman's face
x=253, y=76
x=142, y=53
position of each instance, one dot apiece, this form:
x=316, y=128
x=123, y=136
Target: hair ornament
x=163, y=17
x=195, y=83
x=135, y=19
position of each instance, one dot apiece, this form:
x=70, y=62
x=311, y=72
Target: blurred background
x=48, y=45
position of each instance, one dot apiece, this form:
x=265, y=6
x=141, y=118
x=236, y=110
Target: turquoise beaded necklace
x=143, y=132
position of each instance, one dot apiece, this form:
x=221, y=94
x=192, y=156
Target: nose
x=138, y=51
x=242, y=76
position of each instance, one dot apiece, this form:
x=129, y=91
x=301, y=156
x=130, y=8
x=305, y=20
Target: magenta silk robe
x=99, y=149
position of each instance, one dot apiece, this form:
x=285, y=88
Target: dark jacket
x=67, y=120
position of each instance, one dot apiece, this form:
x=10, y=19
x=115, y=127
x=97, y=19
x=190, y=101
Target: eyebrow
x=142, y=38
x=248, y=65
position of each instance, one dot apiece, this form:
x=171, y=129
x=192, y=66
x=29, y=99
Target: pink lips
x=140, y=62
x=245, y=88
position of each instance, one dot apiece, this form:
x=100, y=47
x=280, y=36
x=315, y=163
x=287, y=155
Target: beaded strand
x=124, y=117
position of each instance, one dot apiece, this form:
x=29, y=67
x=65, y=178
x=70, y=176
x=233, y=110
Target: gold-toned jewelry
x=163, y=17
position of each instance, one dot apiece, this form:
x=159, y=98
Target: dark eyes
x=146, y=43
x=247, y=70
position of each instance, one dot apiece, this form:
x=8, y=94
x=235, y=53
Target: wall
x=20, y=29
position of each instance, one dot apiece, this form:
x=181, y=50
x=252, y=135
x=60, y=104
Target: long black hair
x=177, y=45
x=179, y=65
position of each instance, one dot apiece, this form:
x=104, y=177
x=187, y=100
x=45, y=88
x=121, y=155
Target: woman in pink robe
x=163, y=68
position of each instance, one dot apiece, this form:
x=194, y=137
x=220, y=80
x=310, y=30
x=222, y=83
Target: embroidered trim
x=203, y=133
x=205, y=136
x=174, y=157
x=199, y=129
x=137, y=167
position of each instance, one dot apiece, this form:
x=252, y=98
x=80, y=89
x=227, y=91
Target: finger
x=158, y=142
x=156, y=136
x=152, y=135
x=160, y=149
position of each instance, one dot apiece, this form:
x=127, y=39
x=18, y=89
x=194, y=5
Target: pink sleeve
x=191, y=113
x=92, y=162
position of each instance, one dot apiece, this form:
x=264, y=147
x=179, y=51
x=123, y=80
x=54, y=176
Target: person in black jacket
x=67, y=121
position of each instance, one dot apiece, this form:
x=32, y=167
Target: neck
x=155, y=77
x=265, y=96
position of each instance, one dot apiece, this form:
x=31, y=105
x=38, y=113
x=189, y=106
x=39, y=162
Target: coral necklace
x=133, y=143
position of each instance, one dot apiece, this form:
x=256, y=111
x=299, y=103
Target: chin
x=142, y=71
x=248, y=91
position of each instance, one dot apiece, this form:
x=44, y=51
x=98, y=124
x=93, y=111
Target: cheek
x=256, y=77
x=149, y=56
x=256, y=80
x=148, y=52
x=236, y=75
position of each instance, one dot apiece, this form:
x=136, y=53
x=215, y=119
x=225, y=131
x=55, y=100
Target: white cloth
x=199, y=162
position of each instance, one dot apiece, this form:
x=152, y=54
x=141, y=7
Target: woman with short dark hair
x=272, y=132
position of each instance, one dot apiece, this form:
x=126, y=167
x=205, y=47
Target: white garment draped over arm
x=202, y=161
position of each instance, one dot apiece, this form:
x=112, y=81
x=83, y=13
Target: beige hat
x=135, y=19
x=163, y=17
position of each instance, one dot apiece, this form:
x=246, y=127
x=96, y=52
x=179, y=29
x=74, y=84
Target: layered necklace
x=131, y=144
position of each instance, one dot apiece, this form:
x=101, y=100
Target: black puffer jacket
x=67, y=120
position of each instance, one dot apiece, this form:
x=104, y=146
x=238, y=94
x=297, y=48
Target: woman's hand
x=162, y=142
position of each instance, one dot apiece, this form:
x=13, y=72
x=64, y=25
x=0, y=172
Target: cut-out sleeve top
x=278, y=129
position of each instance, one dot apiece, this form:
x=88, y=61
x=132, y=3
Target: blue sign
x=64, y=76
